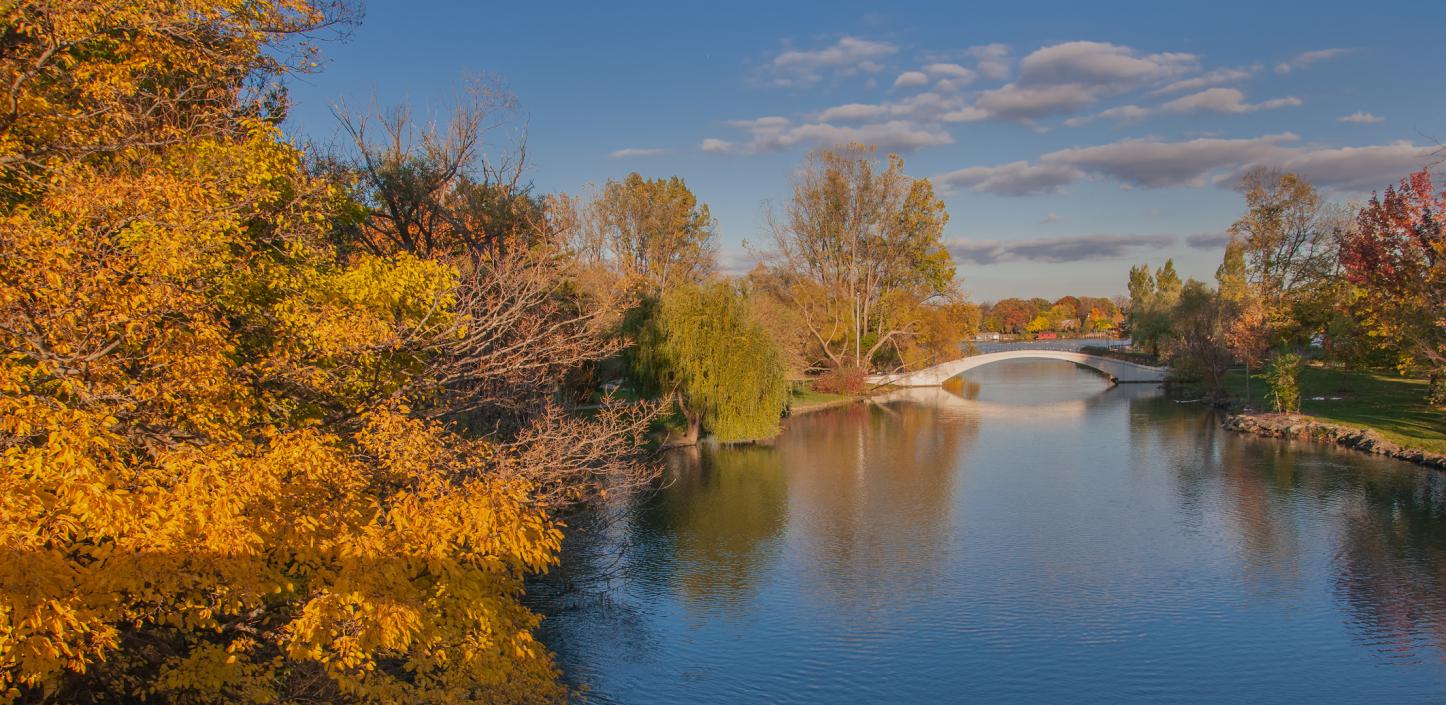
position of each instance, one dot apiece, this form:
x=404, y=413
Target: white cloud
x=1100, y=64
x=911, y=79
x=1057, y=249
x=1064, y=78
x=852, y=112
x=638, y=152
x=892, y=135
x=1013, y=179
x=1049, y=218
x=736, y=263
x=1224, y=100
x=928, y=106
x=992, y=60
x=1121, y=114
x=1205, y=80
x=1014, y=102
x=1349, y=169
x=1361, y=118
x=772, y=134
x=848, y=56
x=715, y=145
x=769, y=122
x=953, y=72
x=1152, y=163
x=1304, y=59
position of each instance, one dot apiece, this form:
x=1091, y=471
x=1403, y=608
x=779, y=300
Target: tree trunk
x=693, y=424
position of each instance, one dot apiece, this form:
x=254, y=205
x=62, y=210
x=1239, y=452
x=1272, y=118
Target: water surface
x=1031, y=536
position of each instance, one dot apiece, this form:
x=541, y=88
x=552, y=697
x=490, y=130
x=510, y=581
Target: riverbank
x=1372, y=412
x=1391, y=405
x=1302, y=427
x=805, y=400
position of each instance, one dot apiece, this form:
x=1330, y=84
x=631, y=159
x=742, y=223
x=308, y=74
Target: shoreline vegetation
x=1367, y=411
x=1305, y=427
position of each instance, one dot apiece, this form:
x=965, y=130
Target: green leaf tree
x=702, y=347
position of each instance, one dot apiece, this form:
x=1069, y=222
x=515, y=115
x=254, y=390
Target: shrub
x=841, y=380
x=1283, y=374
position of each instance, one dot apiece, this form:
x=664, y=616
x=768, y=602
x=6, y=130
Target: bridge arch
x=1117, y=370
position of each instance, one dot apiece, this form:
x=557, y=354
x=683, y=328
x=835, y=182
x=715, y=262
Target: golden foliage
x=212, y=492
x=214, y=488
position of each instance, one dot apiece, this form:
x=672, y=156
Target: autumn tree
x=530, y=336
x=438, y=188
x=1245, y=333
x=702, y=349
x=768, y=304
x=1287, y=235
x=226, y=471
x=92, y=80
x=1397, y=257
x=857, y=243
x=1010, y=315
x=654, y=232
x=1072, y=307
x=942, y=326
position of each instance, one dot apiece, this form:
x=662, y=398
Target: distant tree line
x=1067, y=314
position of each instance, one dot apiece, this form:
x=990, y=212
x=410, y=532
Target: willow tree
x=860, y=247
x=702, y=347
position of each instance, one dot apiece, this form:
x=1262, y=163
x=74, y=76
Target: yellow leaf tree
x=214, y=487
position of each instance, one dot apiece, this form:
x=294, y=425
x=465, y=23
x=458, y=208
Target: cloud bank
x=1054, y=250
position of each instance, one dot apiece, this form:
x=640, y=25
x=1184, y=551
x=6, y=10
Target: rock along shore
x=1306, y=428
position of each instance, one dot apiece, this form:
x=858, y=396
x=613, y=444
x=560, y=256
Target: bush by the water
x=843, y=380
x=1283, y=374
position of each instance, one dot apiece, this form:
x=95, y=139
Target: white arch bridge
x=1117, y=370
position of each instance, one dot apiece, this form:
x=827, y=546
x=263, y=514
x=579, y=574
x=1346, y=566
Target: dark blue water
x=1033, y=536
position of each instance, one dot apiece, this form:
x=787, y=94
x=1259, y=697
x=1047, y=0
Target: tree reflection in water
x=1032, y=535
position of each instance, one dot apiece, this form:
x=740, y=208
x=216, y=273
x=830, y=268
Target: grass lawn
x=803, y=398
x=1393, y=405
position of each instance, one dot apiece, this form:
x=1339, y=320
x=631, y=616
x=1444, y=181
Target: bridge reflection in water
x=1026, y=533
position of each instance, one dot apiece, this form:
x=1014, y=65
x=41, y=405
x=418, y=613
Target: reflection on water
x=1029, y=534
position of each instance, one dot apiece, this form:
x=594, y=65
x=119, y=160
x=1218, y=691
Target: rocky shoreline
x=1306, y=428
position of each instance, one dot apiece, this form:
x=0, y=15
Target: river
x=1031, y=536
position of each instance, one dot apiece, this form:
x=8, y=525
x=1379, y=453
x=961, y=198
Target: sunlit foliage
x=215, y=489
x=701, y=346
x=1397, y=256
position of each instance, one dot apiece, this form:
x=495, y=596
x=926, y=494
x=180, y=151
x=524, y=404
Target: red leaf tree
x=1397, y=257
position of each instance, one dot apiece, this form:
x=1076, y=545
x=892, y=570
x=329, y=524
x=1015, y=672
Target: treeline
x=1357, y=286
x=856, y=278
x=288, y=424
x=1067, y=314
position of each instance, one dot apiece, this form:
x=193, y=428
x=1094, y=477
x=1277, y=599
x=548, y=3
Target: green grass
x=805, y=397
x=1393, y=405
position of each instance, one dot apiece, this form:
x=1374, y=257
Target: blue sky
x=1068, y=139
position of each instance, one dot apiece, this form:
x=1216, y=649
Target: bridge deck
x=1118, y=370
